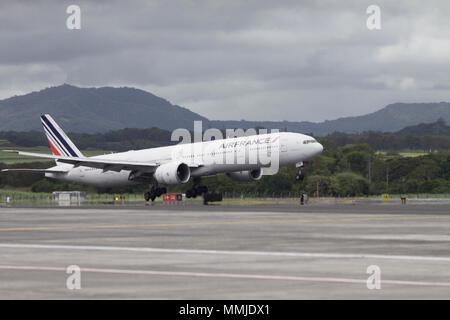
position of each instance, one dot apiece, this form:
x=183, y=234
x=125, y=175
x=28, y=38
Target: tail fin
x=59, y=142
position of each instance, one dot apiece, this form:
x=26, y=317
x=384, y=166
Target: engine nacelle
x=173, y=173
x=246, y=176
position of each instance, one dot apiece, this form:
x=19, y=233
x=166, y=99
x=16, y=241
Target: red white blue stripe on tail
x=59, y=142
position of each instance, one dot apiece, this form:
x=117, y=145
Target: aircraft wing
x=36, y=170
x=105, y=164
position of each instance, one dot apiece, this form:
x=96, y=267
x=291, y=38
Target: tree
x=351, y=184
x=356, y=161
x=327, y=185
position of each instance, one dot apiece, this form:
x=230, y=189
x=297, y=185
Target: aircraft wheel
x=147, y=196
x=201, y=190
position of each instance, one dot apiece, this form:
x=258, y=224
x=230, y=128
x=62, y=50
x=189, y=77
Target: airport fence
x=16, y=196
x=287, y=195
x=258, y=195
x=21, y=196
x=13, y=196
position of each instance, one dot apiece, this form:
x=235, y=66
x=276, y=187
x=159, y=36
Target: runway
x=226, y=252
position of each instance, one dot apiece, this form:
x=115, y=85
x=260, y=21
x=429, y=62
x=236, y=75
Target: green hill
x=438, y=128
x=104, y=109
x=93, y=110
x=389, y=119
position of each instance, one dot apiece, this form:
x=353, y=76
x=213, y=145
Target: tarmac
x=226, y=252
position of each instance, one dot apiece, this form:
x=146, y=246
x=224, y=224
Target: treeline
x=424, y=136
x=359, y=170
x=352, y=170
x=410, y=138
x=349, y=166
x=391, y=141
x=119, y=140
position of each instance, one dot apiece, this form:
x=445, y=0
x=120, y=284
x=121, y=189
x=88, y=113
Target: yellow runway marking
x=194, y=224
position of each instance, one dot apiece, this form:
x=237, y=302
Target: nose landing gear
x=299, y=176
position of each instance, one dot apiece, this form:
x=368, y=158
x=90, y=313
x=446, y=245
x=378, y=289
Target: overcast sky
x=254, y=60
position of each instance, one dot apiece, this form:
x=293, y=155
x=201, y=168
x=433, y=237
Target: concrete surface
x=226, y=252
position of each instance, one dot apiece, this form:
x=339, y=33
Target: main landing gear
x=154, y=192
x=299, y=176
x=196, y=190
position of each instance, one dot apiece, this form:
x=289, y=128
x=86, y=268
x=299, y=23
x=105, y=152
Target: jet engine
x=246, y=176
x=173, y=173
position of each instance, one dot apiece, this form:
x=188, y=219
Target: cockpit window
x=309, y=141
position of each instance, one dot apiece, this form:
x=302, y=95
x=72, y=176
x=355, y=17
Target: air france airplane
x=242, y=159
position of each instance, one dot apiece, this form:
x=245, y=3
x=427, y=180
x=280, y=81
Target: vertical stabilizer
x=59, y=142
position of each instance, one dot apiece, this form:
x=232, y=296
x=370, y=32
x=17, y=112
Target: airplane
x=240, y=158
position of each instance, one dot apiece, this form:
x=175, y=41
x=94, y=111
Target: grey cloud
x=279, y=60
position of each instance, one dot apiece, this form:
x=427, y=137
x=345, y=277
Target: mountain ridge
x=104, y=109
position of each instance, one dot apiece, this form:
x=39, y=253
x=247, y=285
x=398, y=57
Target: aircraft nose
x=319, y=148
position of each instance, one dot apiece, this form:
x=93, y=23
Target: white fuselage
x=203, y=158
